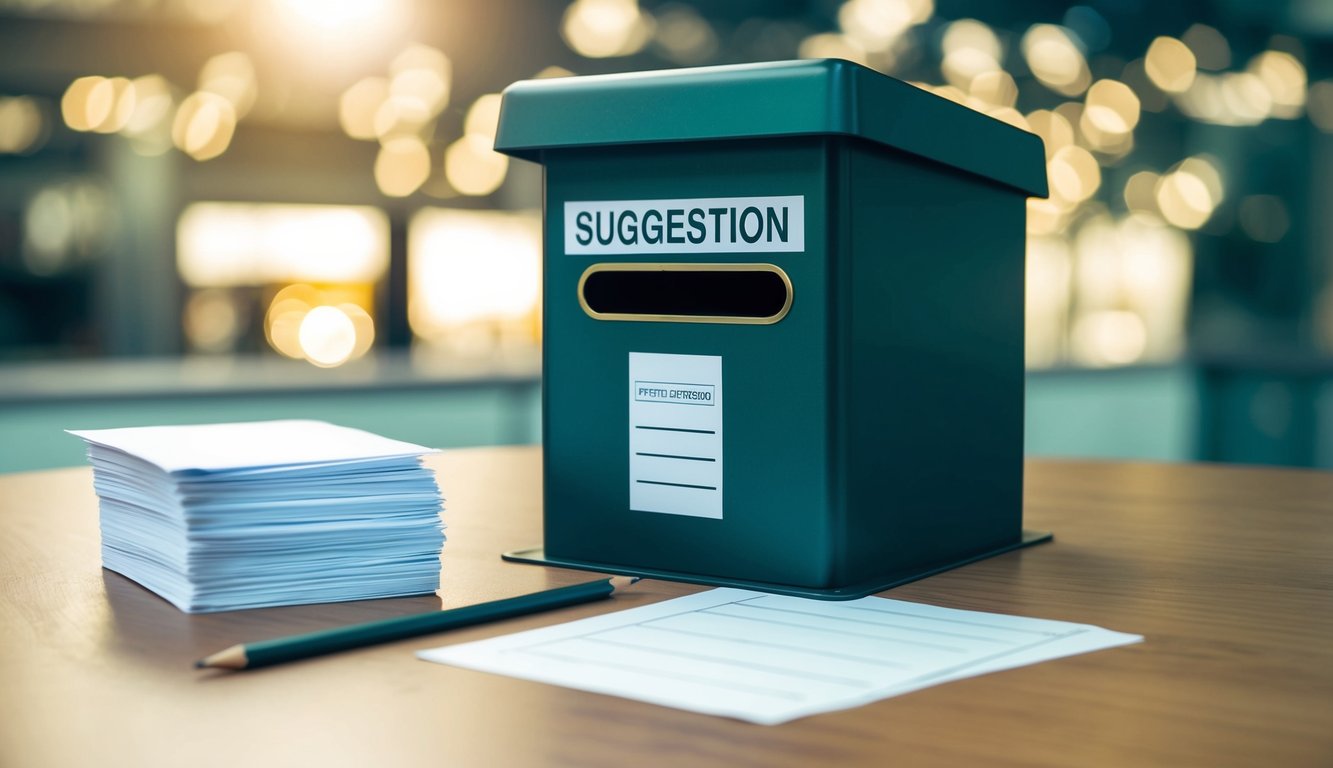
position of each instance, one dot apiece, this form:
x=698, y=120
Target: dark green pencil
x=268, y=652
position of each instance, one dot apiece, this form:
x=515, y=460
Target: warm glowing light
x=327, y=336
x=1232, y=98
x=828, y=45
x=473, y=274
x=1246, y=98
x=1045, y=217
x=1073, y=174
x=1111, y=107
x=552, y=71
x=231, y=244
x=74, y=104
x=1205, y=170
x=472, y=167
x=1141, y=192
x=204, y=125
x=1264, y=218
x=483, y=117
x=282, y=321
x=98, y=104
x=1047, y=299
x=331, y=41
x=1209, y=47
x=402, y=166
x=231, y=76
x=363, y=324
x=1054, y=130
x=1109, y=337
x=359, y=104
x=1170, y=65
x=603, y=28
x=876, y=24
x=1055, y=60
x=1188, y=195
x=22, y=127
x=1285, y=79
x=419, y=85
x=994, y=88
x=123, y=99
x=970, y=50
x=152, y=105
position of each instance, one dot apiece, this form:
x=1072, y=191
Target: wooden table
x=1227, y=571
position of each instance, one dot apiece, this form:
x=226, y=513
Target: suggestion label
x=687, y=225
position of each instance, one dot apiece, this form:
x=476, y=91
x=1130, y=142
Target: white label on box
x=675, y=434
x=688, y=225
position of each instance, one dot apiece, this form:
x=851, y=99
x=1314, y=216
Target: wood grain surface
x=1227, y=571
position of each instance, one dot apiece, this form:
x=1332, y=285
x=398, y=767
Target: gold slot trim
x=685, y=267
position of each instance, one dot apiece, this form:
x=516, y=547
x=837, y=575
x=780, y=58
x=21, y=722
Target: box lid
x=787, y=98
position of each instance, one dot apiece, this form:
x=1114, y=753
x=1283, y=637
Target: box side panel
x=774, y=523
x=935, y=377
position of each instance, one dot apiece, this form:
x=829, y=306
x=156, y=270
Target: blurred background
x=233, y=209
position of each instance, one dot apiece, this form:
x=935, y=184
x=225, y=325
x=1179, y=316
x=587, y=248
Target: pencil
x=279, y=650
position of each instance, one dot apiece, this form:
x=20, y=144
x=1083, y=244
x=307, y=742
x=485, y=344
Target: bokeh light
x=235, y=244
x=1170, y=65
x=359, y=104
x=1188, y=194
x=204, y=125
x=475, y=277
x=830, y=45
x=472, y=167
x=231, y=76
x=603, y=28
x=402, y=166
x=22, y=125
x=1055, y=59
x=1284, y=78
x=327, y=336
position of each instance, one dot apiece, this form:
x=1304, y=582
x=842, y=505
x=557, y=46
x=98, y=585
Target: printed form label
x=675, y=434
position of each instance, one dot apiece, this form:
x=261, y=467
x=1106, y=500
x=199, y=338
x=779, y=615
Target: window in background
x=299, y=279
x=474, y=279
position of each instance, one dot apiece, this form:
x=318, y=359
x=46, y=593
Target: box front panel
x=686, y=379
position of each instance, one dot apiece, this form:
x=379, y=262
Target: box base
x=538, y=556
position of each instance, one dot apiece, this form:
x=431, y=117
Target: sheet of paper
x=768, y=658
x=246, y=445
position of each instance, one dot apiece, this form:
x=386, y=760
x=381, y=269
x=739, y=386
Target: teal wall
x=32, y=433
x=1165, y=413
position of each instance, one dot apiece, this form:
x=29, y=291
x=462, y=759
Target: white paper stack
x=218, y=517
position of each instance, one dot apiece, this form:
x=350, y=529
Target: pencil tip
x=620, y=582
x=200, y=664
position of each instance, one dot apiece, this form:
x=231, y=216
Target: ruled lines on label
x=675, y=440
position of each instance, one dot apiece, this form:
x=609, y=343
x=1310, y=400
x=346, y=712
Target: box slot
x=684, y=293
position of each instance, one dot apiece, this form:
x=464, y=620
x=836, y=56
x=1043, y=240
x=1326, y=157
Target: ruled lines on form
x=768, y=658
x=675, y=434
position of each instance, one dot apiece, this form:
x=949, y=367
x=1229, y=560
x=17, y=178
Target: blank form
x=768, y=658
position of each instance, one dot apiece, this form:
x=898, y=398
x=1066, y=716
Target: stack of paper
x=218, y=517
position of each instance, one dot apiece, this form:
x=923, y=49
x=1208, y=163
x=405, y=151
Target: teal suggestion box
x=783, y=310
